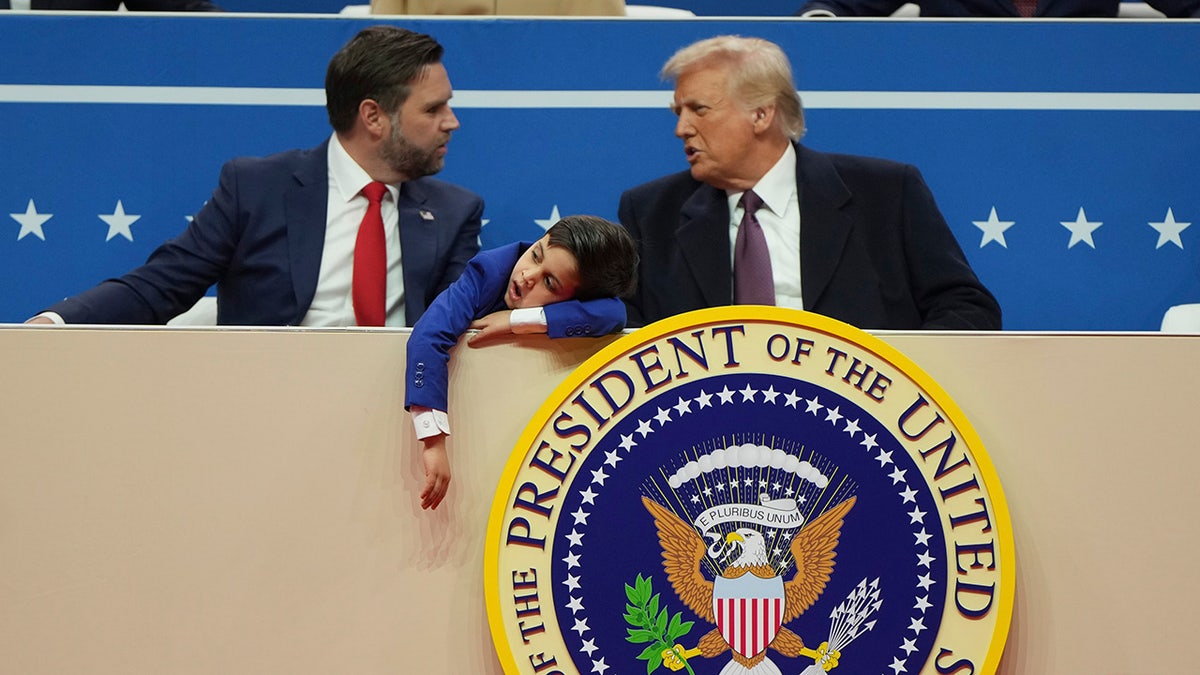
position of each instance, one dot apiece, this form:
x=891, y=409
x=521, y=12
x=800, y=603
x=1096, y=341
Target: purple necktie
x=753, y=283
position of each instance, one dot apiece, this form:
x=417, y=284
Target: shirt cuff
x=527, y=320
x=428, y=422
x=53, y=316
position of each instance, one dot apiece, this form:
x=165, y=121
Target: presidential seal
x=749, y=490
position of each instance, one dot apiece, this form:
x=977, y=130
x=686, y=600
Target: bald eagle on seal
x=748, y=578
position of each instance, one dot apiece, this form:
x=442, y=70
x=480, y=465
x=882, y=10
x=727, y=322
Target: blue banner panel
x=1063, y=154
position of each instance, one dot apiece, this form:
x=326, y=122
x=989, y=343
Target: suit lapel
x=1042, y=9
x=418, y=246
x=824, y=226
x=306, y=202
x=1009, y=8
x=703, y=236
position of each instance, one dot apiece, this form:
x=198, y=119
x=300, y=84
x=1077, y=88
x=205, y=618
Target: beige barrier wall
x=207, y=501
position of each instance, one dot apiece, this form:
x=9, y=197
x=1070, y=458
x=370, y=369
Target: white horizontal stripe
x=863, y=100
x=54, y=93
x=562, y=99
x=999, y=100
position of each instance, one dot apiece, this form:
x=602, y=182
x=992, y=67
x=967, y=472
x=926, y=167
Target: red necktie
x=753, y=282
x=1026, y=8
x=369, y=289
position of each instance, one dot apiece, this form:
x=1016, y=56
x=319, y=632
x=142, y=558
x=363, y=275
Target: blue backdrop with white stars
x=1063, y=154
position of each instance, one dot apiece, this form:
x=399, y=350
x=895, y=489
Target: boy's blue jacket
x=477, y=293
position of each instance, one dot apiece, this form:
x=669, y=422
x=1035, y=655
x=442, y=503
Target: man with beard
x=281, y=235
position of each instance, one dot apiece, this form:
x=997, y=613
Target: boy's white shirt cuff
x=527, y=320
x=53, y=316
x=428, y=422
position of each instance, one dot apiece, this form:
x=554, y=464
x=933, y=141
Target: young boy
x=566, y=284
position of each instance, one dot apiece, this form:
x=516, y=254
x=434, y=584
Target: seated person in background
x=280, y=235
x=566, y=284
x=995, y=8
x=854, y=238
x=113, y=5
x=509, y=7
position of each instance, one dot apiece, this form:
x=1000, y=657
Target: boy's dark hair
x=379, y=63
x=605, y=255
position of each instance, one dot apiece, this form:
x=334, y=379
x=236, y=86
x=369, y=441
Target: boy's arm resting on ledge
x=585, y=318
x=570, y=318
x=507, y=322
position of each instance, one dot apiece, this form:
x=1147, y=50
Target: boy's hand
x=491, y=327
x=437, y=471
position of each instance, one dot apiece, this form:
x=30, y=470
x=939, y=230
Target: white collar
x=346, y=176
x=777, y=187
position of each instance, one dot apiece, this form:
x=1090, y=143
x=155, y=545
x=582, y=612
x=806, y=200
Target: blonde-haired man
x=855, y=238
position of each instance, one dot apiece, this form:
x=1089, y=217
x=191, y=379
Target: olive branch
x=653, y=626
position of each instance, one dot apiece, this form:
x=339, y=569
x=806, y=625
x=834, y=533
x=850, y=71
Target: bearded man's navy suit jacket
x=875, y=251
x=260, y=239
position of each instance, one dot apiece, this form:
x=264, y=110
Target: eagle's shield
x=749, y=611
